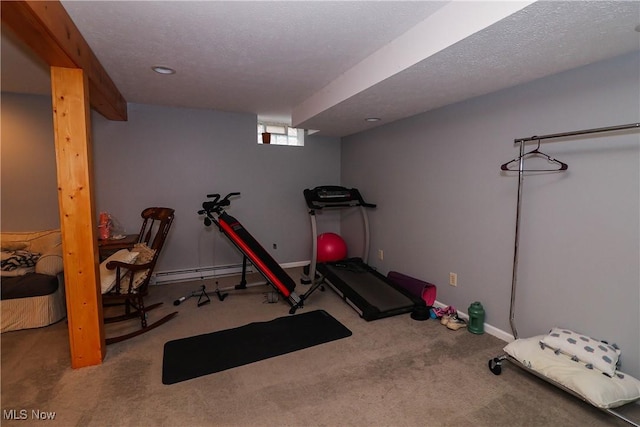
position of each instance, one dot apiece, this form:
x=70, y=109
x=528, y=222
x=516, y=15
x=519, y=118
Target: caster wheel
x=495, y=366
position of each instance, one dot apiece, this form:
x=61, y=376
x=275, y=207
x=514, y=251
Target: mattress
x=28, y=285
x=32, y=312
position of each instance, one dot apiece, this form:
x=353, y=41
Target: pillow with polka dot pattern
x=595, y=354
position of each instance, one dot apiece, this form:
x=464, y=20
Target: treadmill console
x=334, y=196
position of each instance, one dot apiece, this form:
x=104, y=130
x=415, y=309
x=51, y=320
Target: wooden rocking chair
x=132, y=279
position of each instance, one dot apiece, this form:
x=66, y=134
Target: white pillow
x=108, y=277
x=597, y=389
x=13, y=246
x=594, y=353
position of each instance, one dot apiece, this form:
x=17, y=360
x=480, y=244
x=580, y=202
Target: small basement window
x=281, y=134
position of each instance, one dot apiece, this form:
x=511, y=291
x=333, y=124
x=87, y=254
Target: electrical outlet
x=453, y=279
x=380, y=254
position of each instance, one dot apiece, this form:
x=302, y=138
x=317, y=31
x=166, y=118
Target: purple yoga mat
x=419, y=288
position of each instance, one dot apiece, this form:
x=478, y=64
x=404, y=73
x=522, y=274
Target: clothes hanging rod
x=577, y=132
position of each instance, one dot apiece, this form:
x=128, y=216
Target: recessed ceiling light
x=163, y=70
x=372, y=119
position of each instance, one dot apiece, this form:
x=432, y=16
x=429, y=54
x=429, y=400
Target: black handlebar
x=216, y=204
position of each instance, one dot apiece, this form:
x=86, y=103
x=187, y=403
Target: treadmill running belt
x=372, y=288
x=366, y=290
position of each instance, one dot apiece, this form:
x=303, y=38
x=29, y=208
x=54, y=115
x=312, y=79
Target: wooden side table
x=110, y=246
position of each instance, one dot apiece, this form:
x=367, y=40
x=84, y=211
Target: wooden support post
x=71, y=119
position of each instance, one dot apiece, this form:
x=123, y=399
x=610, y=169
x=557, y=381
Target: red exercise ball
x=331, y=247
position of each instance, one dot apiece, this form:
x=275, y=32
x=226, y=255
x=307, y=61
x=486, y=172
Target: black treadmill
x=368, y=292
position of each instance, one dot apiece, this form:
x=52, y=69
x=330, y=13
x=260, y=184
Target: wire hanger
x=536, y=152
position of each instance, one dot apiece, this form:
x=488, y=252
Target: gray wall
x=445, y=206
x=175, y=157
x=170, y=157
x=29, y=196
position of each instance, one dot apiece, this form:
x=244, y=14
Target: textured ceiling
x=328, y=65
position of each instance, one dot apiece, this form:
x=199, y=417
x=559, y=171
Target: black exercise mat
x=194, y=357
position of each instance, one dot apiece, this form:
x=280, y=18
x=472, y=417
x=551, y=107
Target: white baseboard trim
x=295, y=264
x=489, y=329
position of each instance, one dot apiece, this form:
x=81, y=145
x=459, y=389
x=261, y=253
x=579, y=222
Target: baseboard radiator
x=199, y=273
x=173, y=276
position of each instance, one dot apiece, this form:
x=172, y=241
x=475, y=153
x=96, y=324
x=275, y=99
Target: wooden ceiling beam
x=48, y=30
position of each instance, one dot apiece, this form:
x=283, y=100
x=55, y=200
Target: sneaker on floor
x=445, y=319
x=455, y=323
x=438, y=312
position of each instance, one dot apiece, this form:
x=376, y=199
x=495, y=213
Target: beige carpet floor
x=390, y=372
